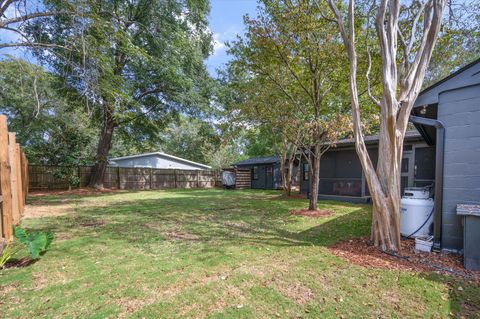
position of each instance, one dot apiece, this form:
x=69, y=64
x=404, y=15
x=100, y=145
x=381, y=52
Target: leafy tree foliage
x=290, y=70
x=192, y=139
x=135, y=63
x=262, y=141
x=458, y=42
x=49, y=121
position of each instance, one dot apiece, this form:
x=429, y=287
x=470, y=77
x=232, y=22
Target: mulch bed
x=19, y=263
x=311, y=213
x=360, y=252
x=75, y=191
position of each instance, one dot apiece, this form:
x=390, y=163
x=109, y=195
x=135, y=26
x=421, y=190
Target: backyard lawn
x=211, y=253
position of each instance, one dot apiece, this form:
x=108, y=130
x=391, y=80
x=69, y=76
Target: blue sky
x=226, y=22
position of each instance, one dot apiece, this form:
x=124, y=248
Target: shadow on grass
x=73, y=198
x=210, y=221
x=464, y=296
x=212, y=217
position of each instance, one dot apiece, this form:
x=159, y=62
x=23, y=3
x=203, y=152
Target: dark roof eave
x=373, y=140
x=451, y=75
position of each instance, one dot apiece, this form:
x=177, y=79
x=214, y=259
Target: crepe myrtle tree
x=295, y=52
x=404, y=44
x=262, y=110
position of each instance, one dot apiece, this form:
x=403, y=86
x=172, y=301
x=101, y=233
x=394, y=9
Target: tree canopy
x=135, y=64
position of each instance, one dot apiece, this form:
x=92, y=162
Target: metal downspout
x=437, y=224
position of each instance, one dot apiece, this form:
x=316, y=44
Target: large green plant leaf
x=36, y=244
x=50, y=238
x=21, y=234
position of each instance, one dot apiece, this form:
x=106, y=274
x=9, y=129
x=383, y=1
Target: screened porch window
x=269, y=171
x=341, y=174
x=306, y=170
x=255, y=172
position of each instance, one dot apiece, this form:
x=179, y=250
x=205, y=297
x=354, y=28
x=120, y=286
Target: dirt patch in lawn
x=5, y=290
x=45, y=210
x=311, y=213
x=297, y=292
x=76, y=191
x=360, y=251
x=92, y=224
x=292, y=196
x=181, y=235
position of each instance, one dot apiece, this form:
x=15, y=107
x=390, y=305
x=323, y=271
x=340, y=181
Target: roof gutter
x=439, y=151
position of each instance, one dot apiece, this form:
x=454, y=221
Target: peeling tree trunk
x=385, y=231
x=400, y=89
x=103, y=148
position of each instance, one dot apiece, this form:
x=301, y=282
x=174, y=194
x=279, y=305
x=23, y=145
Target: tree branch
x=23, y=18
x=32, y=44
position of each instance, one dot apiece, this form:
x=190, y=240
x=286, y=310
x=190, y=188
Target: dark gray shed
x=449, y=113
x=265, y=171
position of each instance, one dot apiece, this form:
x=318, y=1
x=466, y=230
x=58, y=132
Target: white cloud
x=220, y=39
x=218, y=44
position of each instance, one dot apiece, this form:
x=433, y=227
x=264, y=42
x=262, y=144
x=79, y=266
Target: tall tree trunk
x=315, y=169
x=283, y=160
x=103, y=148
x=289, y=177
x=386, y=196
x=399, y=93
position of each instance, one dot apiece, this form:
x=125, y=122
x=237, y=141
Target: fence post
x=151, y=171
x=198, y=179
x=19, y=179
x=118, y=177
x=79, y=174
x=13, y=178
x=24, y=162
x=5, y=181
x=175, y=178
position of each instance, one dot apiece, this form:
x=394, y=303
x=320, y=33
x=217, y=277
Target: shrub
x=36, y=243
x=6, y=252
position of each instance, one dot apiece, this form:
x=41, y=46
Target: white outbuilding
x=156, y=160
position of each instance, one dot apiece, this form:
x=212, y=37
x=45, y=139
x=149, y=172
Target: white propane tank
x=416, y=206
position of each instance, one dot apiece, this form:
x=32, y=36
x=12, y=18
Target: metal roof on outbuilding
x=410, y=136
x=259, y=161
x=162, y=155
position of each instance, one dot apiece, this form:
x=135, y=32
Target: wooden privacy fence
x=13, y=180
x=42, y=177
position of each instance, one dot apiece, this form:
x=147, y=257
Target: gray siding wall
x=468, y=77
x=459, y=110
x=154, y=161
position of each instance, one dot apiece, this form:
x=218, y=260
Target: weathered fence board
x=13, y=179
x=7, y=222
x=42, y=177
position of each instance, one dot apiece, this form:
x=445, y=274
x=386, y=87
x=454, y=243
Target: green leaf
x=21, y=234
x=37, y=244
x=50, y=238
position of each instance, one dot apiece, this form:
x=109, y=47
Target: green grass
x=213, y=254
